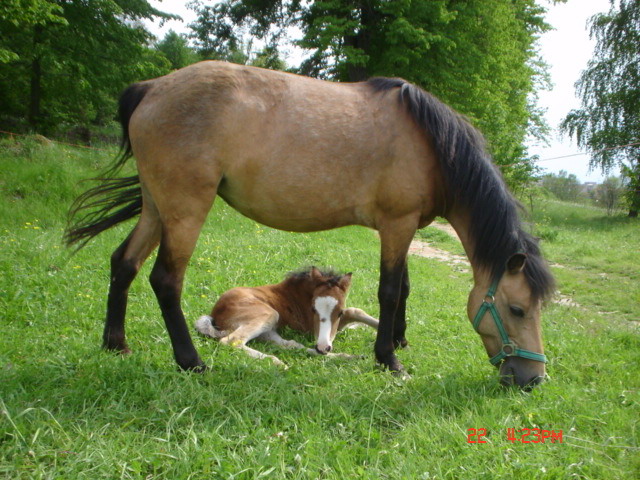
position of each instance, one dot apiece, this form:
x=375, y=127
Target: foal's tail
x=204, y=325
x=114, y=199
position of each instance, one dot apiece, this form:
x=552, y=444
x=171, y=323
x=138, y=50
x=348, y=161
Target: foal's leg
x=259, y=324
x=356, y=315
x=395, y=238
x=125, y=264
x=274, y=337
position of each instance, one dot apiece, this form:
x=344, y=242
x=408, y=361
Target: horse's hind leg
x=125, y=264
x=178, y=240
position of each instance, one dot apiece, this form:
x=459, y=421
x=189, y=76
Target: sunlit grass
x=70, y=410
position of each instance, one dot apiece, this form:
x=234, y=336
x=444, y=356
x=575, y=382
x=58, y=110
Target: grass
x=70, y=410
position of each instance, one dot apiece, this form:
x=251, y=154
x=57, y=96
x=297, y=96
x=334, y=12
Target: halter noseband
x=509, y=349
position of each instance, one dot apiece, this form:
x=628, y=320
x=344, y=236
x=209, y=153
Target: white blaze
x=324, y=306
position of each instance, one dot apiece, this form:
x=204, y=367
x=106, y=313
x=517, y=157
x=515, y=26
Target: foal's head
x=327, y=304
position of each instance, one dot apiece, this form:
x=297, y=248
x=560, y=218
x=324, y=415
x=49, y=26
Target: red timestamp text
x=522, y=435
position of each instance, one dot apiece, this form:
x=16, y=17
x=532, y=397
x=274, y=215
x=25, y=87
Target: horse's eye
x=517, y=311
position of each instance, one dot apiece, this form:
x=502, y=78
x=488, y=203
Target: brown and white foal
x=306, y=301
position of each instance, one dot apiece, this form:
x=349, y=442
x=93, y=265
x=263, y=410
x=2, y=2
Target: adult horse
x=303, y=155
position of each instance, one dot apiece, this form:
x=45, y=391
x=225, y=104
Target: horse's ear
x=516, y=263
x=345, y=281
x=316, y=274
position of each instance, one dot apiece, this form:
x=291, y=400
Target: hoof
x=402, y=343
x=197, y=367
x=401, y=375
x=120, y=348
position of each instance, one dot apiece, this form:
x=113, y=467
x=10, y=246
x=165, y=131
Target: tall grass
x=70, y=410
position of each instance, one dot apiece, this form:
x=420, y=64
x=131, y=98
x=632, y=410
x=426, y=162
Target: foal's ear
x=345, y=281
x=316, y=274
x=516, y=263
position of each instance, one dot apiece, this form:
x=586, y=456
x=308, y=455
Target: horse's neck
x=460, y=221
x=294, y=304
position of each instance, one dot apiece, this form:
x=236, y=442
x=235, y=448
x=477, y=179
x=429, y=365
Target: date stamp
x=521, y=435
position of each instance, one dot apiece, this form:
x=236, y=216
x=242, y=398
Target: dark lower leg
x=122, y=274
x=167, y=286
x=400, y=324
x=389, y=297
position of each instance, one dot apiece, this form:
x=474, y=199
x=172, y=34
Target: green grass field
x=71, y=411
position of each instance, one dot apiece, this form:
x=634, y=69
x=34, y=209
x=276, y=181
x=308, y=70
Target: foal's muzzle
x=326, y=350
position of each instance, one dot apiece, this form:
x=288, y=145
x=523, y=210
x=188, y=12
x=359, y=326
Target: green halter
x=508, y=349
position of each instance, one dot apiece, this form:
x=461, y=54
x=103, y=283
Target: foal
x=307, y=301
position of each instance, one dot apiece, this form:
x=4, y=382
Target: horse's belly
x=292, y=208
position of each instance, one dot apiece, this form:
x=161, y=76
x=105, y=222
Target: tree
x=476, y=55
x=608, y=194
x=177, y=50
x=564, y=186
x=69, y=62
x=608, y=124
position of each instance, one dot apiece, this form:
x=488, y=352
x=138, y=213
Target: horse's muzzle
x=514, y=371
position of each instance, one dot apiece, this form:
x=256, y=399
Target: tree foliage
x=477, y=55
x=564, y=186
x=68, y=60
x=176, y=49
x=608, y=124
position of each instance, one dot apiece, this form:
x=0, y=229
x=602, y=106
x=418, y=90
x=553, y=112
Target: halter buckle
x=509, y=349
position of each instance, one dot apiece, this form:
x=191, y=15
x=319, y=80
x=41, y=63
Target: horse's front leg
x=400, y=323
x=395, y=239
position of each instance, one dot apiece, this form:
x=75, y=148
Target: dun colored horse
x=303, y=155
x=309, y=301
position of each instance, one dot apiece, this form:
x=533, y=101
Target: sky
x=566, y=49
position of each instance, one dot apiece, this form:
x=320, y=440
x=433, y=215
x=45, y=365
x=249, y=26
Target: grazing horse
x=303, y=155
x=308, y=301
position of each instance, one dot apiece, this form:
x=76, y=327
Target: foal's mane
x=331, y=277
x=475, y=184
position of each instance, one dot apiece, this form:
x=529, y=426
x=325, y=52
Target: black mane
x=475, y=184
x=331, y=277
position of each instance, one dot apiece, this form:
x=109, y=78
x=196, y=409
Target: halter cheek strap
x=509, y=349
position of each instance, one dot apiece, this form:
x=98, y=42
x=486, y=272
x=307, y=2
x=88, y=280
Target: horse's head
x=506, y=314
x=327, y=304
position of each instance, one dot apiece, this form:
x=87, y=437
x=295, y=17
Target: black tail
x=114, y=199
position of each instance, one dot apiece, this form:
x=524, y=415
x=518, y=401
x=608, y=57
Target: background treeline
x=566, y=187
x=63, y=63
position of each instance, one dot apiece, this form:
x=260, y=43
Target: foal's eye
x=517, y=311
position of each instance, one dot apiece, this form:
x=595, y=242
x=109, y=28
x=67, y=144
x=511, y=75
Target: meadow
x=69, y=410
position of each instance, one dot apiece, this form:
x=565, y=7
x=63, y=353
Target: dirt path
x=424, y=249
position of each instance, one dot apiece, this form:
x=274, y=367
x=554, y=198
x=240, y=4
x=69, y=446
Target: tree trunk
x=36, y=92
x=634, y=178
x=362, y=41
x=36, y=81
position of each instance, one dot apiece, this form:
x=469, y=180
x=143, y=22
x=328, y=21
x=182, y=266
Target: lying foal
x=307, y=301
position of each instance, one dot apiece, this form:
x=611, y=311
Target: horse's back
x=291, y=152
